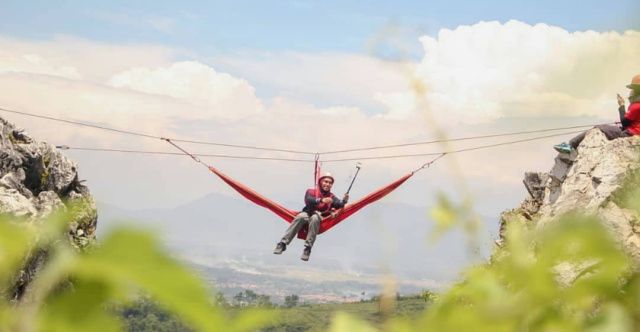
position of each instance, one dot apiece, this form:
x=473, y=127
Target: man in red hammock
x=319, y=202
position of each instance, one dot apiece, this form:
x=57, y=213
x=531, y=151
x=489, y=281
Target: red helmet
x=326, y=175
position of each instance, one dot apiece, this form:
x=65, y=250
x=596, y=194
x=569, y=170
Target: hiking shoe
x=305, y=253
x=563, y=147
x=280, y=247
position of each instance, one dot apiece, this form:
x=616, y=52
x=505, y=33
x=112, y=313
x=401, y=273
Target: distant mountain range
x=229, y=240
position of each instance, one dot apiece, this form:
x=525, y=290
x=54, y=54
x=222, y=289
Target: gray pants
x=610, y=131
x=301, y=220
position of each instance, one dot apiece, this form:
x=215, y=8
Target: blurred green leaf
x=564, y=277
x=612, y=318
x=444, y=213
x=80, y=308
x=135, y=259
x=629, y=195
x=343, y=322
x=253, y=319
x=15, y=242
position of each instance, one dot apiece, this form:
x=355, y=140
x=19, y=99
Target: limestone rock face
x=36, y=180
x=586, y=181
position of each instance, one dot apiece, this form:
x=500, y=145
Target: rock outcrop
x=36, y=180
x=588, y=181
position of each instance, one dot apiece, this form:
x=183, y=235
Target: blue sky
x=214, y=27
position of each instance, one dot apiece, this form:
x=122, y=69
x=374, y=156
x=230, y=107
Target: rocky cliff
x=36, y=180
x=590, y=180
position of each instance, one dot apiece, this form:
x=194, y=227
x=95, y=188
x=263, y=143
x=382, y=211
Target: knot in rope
x=428, y=164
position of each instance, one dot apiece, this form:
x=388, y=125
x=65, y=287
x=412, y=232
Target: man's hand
x=327, y=200
x=346, y=197
x=620, y=100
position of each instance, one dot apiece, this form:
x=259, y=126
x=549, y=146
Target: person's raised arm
x=622, y=112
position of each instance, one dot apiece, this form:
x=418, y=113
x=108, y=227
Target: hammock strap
x=195, y=158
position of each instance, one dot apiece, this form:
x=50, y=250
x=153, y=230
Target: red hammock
x=288, y=215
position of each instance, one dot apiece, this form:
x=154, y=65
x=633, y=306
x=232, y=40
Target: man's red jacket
x=313, y=198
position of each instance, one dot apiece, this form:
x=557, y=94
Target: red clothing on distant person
x=633, y=116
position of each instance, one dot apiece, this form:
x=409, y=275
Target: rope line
x=458, y=139
x=453, y=151
x=429, y=163
x=263, y=148
x=195, y=155
x=185, y=152
x=66, y=147
x=244, y=146
x=127, y=132
x=80, y=123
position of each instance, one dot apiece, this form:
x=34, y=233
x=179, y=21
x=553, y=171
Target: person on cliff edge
x=629, y=120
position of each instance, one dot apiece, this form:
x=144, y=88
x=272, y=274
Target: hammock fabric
x=288, y=215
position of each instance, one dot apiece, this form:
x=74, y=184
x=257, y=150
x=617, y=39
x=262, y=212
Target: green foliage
x=522, y=291
x=428, y=296
x=317, y=317
x=568, y=276
x=445, y=213
x=14, y=246
x=145, y=315
x=629, y=195
x=291, y=300
x=74, y=290
x=345, y=322
x=448, y=214
x=220, y=300
x=571, y=276
x=82, y=211
x=44, y=177
x=252, y=299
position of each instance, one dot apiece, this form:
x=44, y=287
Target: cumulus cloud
x=490, y=70
x=219, y=93
x=471, y=74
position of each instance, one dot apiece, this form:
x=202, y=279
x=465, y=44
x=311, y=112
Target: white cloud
x=218, y=94
x=76, y=58
x=11, y=62
x=490, y=70
x=470, y=74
